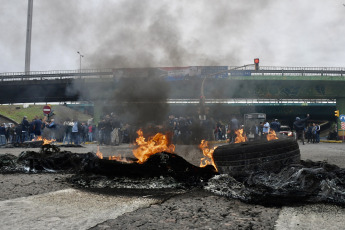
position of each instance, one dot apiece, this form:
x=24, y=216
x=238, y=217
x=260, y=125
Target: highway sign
x=47, y=109
x=240, y=72
x=342, y=117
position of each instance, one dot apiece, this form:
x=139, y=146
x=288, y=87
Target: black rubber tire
x=243, y=158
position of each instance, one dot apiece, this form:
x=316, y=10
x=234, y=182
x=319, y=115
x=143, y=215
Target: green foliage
x=17, y=112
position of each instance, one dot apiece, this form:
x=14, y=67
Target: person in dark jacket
x=32, y=130
x=299, y=126
x=25, y=129
x=275, y=125
x=2, y=134
x=38, y=127
x=18, y=134
x=309, y=133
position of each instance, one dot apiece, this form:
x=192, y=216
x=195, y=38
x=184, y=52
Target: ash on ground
x=309, y=182
x=102, y=182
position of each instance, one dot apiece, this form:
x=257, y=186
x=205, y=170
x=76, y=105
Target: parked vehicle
x=286, y=130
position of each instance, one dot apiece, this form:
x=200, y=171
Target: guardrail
x=97, y=73
x=56, y=74
x=254, y=101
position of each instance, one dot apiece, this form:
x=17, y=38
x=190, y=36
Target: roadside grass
x=62, y=113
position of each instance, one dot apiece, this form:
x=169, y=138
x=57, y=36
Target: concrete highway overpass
x=218, y=83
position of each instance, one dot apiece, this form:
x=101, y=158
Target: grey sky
x=151, y=33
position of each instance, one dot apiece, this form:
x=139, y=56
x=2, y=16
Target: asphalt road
x=41, y=201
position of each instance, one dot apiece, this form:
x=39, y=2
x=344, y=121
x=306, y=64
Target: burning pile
x=154, y=156
x=240, y=137
x=156, y=144
x=272, y=135
x=208, y=153
x=286, y=186
x=45, y=141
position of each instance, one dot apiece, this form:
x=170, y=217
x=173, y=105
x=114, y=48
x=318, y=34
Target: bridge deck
x=233, y=72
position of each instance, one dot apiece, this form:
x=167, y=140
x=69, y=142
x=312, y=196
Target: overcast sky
x=152, y=33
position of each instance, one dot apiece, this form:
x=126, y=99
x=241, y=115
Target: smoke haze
x=148, y=33
x=152, y=33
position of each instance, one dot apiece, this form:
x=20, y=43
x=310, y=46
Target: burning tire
x=243, y=158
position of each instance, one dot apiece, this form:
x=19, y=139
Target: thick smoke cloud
x=152, y=33
x=140, y=97
x=149, y=33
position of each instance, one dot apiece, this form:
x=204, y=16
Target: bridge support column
x=341, y=108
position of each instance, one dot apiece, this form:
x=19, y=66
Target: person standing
x=38, y=127
x=265, y=129
x=32, y=130
x=18, y=133
x=90, y=133
x=2, y=134
x=11, y=136
x=101, y=135
x=318, y=129
x=75, y=133
x=25, y=129
x=313, y=132
x=68, y=132
x=299, y=126
x=261, y=128
x=275, y=125
x=116, y=128
x=309, y=133
x=52, y=127
x=234, y=125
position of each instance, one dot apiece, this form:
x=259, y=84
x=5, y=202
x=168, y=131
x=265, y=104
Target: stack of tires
x=243, y=158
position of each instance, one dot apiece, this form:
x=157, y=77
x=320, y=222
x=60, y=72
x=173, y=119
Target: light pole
x=80, y=56
x=28, y=37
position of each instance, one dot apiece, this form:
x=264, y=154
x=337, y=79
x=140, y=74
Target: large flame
x=208, y=153
x=271, y=135
x=45, y=141
x=156, y=144
x=240, y=137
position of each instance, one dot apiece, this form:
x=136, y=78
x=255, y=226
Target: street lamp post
x=80, y=56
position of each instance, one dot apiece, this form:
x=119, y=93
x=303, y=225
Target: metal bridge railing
x=97, y=73
x=253, y=101
x=55, y=72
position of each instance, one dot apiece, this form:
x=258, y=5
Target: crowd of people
x=24, y=131
x=110, y=130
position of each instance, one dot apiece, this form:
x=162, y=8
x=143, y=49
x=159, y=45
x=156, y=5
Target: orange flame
x=155, y=144
x=114, y=158
x=45, y=141
x=119, y=158
x=99, y=154
x=271, y=135
x=240, y=137
x=208, y=153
